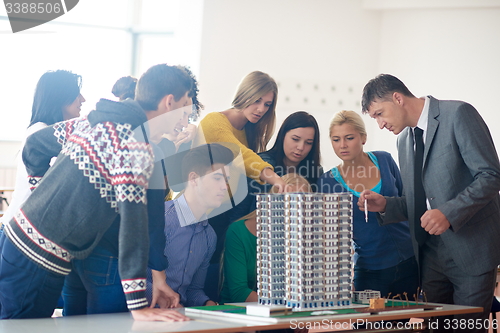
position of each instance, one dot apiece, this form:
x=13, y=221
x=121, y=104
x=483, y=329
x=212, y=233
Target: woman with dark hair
x=124, y=87
x=57, y=98
x=296, y=150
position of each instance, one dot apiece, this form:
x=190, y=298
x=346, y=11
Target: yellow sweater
x=216, y=128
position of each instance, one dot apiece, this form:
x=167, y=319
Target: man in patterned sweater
x=102, y=170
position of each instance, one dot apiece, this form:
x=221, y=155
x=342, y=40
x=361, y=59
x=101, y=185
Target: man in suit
x=455, y=179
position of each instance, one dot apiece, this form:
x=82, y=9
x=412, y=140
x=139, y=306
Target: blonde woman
x=384, y=258
x=245, y=128
x=240, y=251
x=248, y=124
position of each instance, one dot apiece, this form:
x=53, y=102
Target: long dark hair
x=310, y=166
x=54, y=91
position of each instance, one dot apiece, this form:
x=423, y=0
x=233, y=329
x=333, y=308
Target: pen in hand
x=366, y=211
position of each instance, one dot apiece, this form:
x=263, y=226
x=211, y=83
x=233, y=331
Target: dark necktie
x=420, y=199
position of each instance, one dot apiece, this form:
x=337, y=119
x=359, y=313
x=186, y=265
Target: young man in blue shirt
x=190, y=239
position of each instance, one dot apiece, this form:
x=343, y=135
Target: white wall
x=322, y=43
x=449, y=49
x=9, y=153
x=322, y=52
x=172, y=34
x=450, y=53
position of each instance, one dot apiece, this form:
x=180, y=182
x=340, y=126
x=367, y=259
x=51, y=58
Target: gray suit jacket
x=461, y=177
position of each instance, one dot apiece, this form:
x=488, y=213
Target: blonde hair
x=252, y=87
x=293, y=179
x=348, y=117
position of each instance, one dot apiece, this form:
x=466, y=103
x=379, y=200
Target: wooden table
x=123, y=322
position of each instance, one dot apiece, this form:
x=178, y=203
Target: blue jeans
x=94, y=285
x=26, y=289
x=395, y=280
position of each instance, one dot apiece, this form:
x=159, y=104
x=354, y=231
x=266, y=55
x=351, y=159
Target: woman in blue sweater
x=384, y=258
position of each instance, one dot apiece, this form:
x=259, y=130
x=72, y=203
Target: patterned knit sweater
x=102, y=170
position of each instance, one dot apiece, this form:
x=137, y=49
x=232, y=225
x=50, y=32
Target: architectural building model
x=304, y=250
x=363, y=297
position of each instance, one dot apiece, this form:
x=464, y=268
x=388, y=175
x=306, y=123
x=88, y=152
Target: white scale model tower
x=304, y=250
